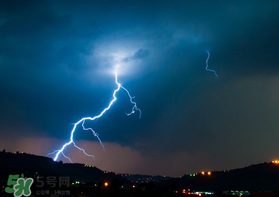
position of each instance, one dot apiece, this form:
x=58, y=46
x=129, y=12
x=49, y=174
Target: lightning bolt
x=206, y=68
x=82, y=121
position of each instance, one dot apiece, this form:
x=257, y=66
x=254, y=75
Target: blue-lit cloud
x=57, y=60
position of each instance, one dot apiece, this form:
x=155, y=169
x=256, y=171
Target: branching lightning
x=206, y=68
x=82, y=121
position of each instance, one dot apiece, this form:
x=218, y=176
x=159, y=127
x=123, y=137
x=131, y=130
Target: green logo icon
x=20, y=186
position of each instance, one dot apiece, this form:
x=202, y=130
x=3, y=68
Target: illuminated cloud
x=57, y=63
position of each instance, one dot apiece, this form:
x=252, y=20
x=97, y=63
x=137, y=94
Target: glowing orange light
x=202, y=172
x=134, y=186
x=208, y=173
x=275, y=161
x=106, y=184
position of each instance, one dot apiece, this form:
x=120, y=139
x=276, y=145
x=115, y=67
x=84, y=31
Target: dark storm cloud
x=140, y=54
x=56, y=60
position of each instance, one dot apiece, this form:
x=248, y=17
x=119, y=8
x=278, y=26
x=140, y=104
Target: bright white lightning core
x=81, y=121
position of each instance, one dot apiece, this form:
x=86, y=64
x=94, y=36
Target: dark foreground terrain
x=57, y=179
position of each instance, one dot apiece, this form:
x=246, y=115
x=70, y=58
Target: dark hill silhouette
x=33, y=166
x=259, y=177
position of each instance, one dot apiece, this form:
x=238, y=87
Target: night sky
x=57, y=63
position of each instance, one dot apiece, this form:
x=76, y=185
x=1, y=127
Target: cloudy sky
x=57, y=63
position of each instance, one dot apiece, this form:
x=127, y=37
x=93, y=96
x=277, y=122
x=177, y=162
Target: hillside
x=259, y=177
x=33, y=166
